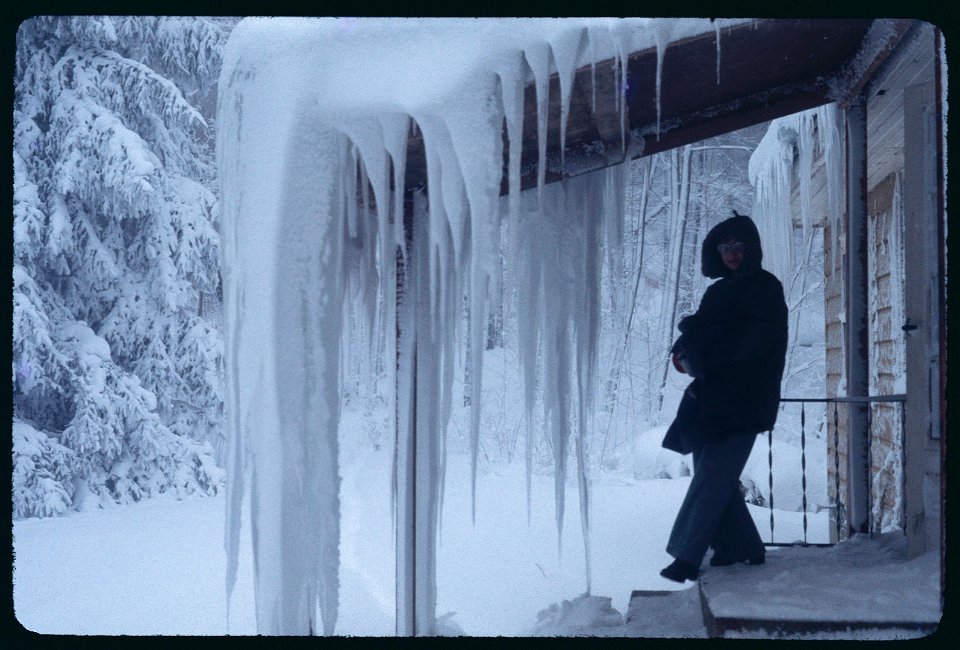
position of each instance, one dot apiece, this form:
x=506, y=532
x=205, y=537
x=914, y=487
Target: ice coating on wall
x=313, y=115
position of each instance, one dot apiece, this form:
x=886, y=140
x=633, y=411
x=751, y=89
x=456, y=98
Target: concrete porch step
x=862, y=588
x=665, y=614
x=865, y=589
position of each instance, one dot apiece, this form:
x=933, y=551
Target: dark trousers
x=713, y=512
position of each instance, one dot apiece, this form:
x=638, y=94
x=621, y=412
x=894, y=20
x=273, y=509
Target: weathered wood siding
x=886, y=352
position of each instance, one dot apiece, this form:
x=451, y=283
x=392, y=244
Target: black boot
x=679, y=571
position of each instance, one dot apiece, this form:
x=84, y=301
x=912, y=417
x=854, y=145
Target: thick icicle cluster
x=304, y=105
x=772, y=169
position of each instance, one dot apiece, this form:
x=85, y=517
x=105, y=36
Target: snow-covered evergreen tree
x=116, y=367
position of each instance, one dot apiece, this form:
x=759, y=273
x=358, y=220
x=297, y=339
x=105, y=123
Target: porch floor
x=862, y=588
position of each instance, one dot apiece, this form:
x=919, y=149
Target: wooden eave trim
x=878, y=48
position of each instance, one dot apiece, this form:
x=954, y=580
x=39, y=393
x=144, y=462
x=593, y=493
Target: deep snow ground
x=158, y=567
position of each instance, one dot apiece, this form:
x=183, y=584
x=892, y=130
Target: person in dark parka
x=734, y=347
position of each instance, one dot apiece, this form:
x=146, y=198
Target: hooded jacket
x=735, y=345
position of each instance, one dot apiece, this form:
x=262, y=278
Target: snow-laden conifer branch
x=116, y=250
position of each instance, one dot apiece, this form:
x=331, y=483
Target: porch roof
x=767, y=69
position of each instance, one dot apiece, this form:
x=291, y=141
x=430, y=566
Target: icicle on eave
x=237, y=454
x=831, y=142
x=249, y=256
x=395, y=128
x=596, y=200
x=805, y=173
x=512, y=78
x=623, y=59
x=307, y=339
x=438, y=220
x=228, y=163
x=277, y=276
x=370, y=281
x=538, y=58
x=370, y=149
x=531, y=295
x=619, y=33
x=593, y=70
x=567, y=55
x=449, y=331
x=716, y=27
x=662, y=41
x=475, y=122
x=555, y=344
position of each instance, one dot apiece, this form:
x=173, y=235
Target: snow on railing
x=876, y=486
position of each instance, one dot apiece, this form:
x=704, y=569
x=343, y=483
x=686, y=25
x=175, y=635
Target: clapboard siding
x=913, y=64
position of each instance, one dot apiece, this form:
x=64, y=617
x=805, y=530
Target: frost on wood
x=312, y=116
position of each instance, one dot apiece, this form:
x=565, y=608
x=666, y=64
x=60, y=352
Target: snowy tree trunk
x=672, y=297
x=621, y=353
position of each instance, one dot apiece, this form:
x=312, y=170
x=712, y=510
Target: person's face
x=732, y=253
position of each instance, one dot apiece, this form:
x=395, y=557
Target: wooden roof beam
x=770, y=68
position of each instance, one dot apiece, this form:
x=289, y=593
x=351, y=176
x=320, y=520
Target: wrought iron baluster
x=870, y=520
x=877, y=491
x=803, y=465
x=836, y=466
x=903, y=466
x=770, y=476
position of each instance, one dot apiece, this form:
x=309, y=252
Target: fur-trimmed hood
x=741, y=228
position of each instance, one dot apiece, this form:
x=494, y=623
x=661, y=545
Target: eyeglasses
x=737, y=247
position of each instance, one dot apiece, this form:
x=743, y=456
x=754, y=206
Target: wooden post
x=426, y=428
x=857, y=318
x=405, y=478
x=418, y=440
x=922, y=306
x=939, y=81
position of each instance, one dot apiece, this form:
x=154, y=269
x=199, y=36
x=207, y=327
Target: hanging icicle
x=312, y=232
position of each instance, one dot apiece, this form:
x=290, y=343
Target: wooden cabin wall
x=912, y=64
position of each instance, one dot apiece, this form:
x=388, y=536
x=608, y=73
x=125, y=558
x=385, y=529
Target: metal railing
x=838, y=505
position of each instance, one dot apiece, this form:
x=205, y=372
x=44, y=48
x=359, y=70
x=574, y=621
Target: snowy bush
x=42, y=473
x=651, y=460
